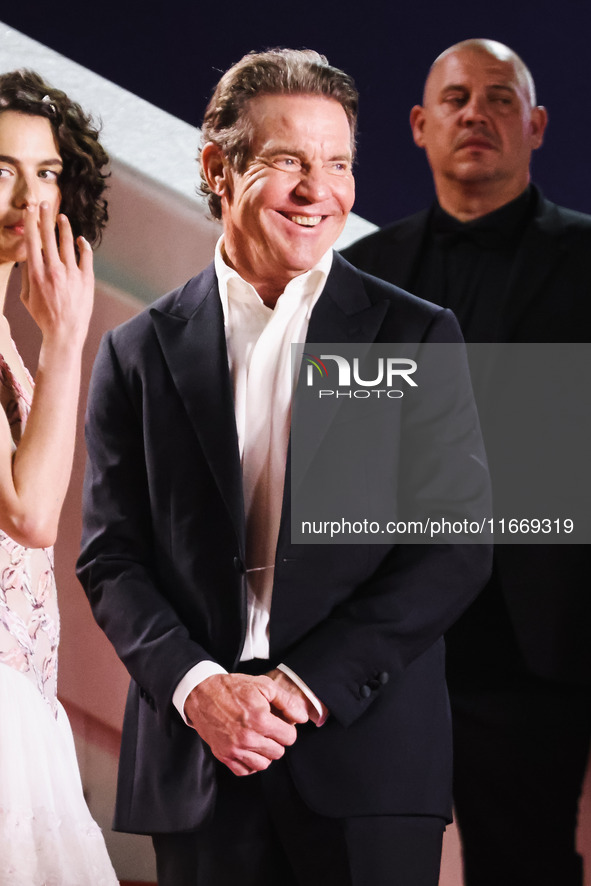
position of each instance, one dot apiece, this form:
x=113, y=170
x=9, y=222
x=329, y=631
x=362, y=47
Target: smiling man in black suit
x=514, y=267
x=287, y=720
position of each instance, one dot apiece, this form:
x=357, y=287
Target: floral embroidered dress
x=47, y=835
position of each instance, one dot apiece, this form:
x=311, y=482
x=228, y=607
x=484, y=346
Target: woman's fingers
x=33, y=240
x=67, y=251
x=24, y=283
x=47, y=229
x=58, y=289
x=86, y=258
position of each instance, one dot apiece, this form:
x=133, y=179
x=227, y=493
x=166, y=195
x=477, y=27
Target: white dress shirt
x=259, y=339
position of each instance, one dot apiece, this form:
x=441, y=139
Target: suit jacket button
x=365, y=691
x=238, y=565
x=384, y=677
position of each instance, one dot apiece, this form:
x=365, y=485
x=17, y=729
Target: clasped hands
x=248, y=721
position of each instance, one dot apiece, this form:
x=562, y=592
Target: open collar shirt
x=263, y=373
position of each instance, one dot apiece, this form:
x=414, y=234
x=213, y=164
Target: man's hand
x=247, y=721
x=282, y=679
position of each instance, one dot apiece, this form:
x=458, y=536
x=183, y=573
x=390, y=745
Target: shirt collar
x=503, y=223
x=305, y=287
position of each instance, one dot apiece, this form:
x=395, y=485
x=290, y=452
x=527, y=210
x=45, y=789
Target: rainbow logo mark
x=315, y=363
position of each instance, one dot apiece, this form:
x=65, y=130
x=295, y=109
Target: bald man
x=514, y=268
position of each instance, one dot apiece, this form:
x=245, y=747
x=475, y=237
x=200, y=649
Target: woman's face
x=30, y=164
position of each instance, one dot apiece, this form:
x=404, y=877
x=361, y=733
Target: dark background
x=172, y=53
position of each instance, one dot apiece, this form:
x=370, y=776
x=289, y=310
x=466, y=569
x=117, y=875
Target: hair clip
x=47, y=101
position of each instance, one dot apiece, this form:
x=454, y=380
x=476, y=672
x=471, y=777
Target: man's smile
x=309, y=221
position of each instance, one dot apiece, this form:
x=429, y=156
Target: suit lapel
x=343, y=314
x=193, y=342
x=538, y=253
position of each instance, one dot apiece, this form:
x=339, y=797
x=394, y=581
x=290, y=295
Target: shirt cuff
x=192, y=678
x=318, y=705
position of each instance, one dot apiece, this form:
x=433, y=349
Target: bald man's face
x=477, y=124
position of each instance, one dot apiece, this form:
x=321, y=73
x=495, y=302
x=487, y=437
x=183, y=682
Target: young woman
x=51, y=209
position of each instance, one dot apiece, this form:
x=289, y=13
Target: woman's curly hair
x=81, y=182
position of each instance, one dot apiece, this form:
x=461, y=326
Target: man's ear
x=215, y=168
x=539, y=121
x=417, y=123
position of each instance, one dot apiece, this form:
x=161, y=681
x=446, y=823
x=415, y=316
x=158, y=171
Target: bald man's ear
x=539, y=121
x=215, y=168
x=417, y=123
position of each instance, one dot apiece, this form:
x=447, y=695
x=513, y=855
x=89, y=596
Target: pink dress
x=47, y=835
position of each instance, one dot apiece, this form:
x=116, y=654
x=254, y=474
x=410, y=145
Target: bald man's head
x=478, y=125
x=496, y=50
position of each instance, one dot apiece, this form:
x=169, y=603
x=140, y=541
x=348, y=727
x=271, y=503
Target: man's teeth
x=309, y=220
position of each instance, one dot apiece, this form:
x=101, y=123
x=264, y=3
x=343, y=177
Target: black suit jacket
x=162, y=563
x=548, y=299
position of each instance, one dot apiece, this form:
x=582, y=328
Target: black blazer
x=162, y=563
x=548, y=299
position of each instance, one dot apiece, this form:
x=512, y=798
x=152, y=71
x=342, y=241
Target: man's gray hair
x=275, y=72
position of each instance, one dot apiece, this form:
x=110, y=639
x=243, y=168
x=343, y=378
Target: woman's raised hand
x=57, y=290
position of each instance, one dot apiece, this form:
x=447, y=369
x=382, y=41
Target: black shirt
x=466, y=266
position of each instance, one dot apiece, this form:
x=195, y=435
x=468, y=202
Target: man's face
x=291, y=203
x=477, y=124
